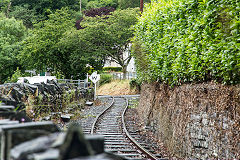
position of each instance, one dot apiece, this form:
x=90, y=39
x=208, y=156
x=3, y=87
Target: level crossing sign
x=94, y=77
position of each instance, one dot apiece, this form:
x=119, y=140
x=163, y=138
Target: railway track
x=111, y=124
x=92, y=113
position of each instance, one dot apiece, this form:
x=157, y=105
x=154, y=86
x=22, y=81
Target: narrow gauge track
x=110, y=123
x=92, y=112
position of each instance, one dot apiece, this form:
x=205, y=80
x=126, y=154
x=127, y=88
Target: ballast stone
x=89, y=103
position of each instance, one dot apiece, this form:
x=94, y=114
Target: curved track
x=111, y=124
x=90, y=114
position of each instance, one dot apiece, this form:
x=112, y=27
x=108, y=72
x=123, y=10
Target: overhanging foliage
x=191, y=40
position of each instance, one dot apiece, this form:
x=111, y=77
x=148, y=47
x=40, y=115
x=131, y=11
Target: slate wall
x=19, y=94
x=194, y=121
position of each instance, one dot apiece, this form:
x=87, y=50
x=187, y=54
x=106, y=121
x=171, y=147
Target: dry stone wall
x=50, y=93
x=194, y=121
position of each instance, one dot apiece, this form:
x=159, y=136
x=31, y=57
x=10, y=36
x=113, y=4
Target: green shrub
x=141, y=61
x=124, y=4
x=191, y=41
x=115, y=69
x=135, y=84
x=15, y=76
x=101, y=3
x=105, y=78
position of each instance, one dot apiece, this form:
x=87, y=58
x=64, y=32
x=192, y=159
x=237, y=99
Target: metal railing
x=79, y=83
x=129, y=75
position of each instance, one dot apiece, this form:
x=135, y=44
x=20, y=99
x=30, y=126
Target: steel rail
x=99, y=115
x=134, y=142
x=132, y=139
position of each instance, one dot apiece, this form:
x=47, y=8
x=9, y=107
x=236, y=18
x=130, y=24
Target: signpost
x=95, y=78
x=33, y=72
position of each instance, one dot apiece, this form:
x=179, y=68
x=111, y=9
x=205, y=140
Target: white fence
x=129, y=75
x=85, y=83
x=79, y=83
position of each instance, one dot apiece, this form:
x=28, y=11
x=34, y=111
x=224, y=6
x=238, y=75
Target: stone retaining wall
x=194, y=121
x=21, y=94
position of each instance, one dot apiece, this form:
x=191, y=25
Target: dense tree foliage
x=124, y=4
x=52, y=41
x=101, y=3
x=40, y=49
x=101, y=37
x=93, y=13
x=191, y=41
x=31, y=11
x=98, y=11
x=12, y=33
x=28, y=16
x=111, y=34
x=46, y=6
x=81, y=52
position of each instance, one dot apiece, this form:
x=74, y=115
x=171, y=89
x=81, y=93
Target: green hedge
x=105, y=78
x=191, y=40
x=116, y=69
x=134, y=84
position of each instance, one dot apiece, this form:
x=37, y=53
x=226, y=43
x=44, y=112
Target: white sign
x=94, y=77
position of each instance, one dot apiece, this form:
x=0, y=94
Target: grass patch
x=116, y=87
x=133, y=103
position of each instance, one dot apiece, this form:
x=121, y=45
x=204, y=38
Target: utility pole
x=141, y=6
x=80, y=6
x=8, y=9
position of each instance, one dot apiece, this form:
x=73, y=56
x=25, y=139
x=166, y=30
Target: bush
x=105, y=78
x=115, y=69
x=15, y=76
x=135, y=84
x=124, y=4
x=191, y=40
x=102, y=3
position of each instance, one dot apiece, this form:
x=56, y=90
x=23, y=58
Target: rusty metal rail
x=111, y=124
x=98, y=116
x=146, y=152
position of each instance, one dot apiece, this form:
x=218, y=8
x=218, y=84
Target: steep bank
x=197, y=121
x=116, y=88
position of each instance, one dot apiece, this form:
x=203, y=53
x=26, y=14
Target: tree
x=39, y=9
x=5, y=6
x=100, y=37
x=82, y=53
x=101, y=3
x=28, y=16
x=123, y=4
x=40, y=49
x=12, y=32
x=93, y=13
x=42, y=6
x=110, y=35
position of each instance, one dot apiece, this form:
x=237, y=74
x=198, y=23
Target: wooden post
x=141, y=6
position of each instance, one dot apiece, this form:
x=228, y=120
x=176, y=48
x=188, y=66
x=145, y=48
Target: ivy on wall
x=190, y=41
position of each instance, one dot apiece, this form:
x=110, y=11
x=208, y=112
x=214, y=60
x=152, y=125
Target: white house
x=131, y=66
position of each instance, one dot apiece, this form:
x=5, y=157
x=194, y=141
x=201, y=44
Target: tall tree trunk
x=124, y=68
